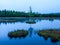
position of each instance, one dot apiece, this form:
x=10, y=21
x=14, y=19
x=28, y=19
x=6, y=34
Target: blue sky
x=41, y=6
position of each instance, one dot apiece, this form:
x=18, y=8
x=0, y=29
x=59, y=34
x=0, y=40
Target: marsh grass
x=18, y=33
x=54, y=34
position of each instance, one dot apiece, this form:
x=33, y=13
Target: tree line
x=7, y=13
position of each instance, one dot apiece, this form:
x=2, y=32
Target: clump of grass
x=18, y=33
x=54, y=34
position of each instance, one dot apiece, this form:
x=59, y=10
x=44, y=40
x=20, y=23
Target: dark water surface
x=32, y=38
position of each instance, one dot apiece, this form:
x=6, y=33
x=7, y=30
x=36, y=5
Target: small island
x=54, y=34
x=18, y=33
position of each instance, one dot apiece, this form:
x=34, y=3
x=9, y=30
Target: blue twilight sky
x=41, y=6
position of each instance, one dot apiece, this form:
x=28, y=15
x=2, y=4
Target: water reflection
x=8, y=26
x=30, y=31
x=54, y=40
x=23, y=20
x=46, y=38
x=51, y=19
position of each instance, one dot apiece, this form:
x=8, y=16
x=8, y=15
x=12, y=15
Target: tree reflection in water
x=30, y=31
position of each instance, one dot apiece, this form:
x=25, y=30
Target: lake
x=32, y=38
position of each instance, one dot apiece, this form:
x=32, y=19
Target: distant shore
x=1, y=18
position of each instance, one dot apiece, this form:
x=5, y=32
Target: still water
x=30, y=39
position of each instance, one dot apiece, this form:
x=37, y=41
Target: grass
x=18, y=33
x=54, y=34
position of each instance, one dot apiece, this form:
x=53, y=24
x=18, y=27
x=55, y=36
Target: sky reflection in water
x=29, y=40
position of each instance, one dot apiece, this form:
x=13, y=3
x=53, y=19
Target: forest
x=10, y=13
